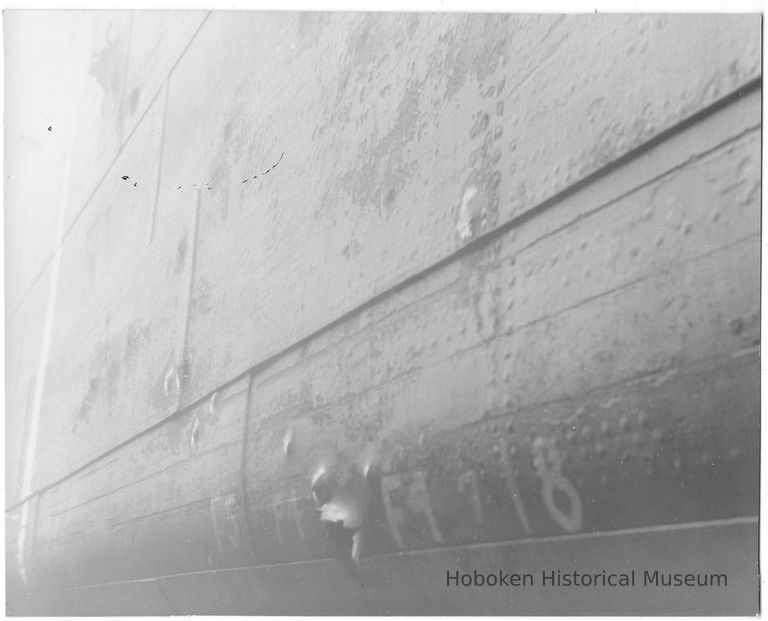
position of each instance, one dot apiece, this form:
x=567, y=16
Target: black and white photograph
x=382, y=312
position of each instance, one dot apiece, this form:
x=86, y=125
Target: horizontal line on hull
x=595, y=535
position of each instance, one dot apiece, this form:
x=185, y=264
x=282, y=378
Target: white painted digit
x=418, y=500
x=548, y=464
x=468, y=481
x=395, y=515
x=512, y=485
x=281, y=506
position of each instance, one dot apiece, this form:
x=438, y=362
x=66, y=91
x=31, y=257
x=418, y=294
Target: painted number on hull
x=404, y=494
x=548, y=464
x=417, y=501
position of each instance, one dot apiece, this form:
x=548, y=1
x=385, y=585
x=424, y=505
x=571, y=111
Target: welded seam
x=543, y=61
x=642, y=530
x=126, y=70
x=160, y=160
x=644, y=185
x=151, y=475
x=190, y=291
x=708, y=363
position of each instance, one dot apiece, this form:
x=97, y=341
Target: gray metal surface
x=381, y=296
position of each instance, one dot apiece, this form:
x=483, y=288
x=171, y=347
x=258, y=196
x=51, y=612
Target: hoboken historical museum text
x=594, y=579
